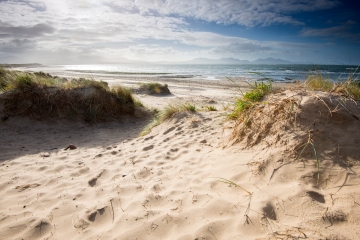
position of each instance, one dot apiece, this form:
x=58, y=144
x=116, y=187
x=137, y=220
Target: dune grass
x=83, y=82
x=258, y=91
x=353, y=89
x=248, y=100
x=231, y=183
x=350, y=88
x=154, y=88
x=319, y=82
x=210, y=108
x=249, y=113
x=165, y=114
x=42, y=96
x=6, y=78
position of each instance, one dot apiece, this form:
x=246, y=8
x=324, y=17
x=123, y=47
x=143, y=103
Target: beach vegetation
x=246, y=101
x=210, y=108
x=6, y=78
x=3, y=78
x=258, y=91
x=353, y=90
x=40, y=96
x=319, y=82
x=310, y=142
x=225, y=106
x=258, y=121
x=349, y=88
x=165, y=114
x=138, y=102
x=231, y=183
x=154, y=88
x=188, y=107
x=83, y=82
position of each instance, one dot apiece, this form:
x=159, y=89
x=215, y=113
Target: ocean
x=276, y=72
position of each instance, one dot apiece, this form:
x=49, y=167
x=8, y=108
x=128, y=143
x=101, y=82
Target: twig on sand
x=345, y=180
x=275, y=169
x=311, y=142
x=223, y=180
x=320, y=99
x=112, y=209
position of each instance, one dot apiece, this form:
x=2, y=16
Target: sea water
x=276, y=72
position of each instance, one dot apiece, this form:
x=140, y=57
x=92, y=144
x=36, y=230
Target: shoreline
x=220, y=93
x=277, y=73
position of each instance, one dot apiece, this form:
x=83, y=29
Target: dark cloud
x=349, y=30
x=243, y=12
x=17, y=46
x=241, y=48
x=8, y=31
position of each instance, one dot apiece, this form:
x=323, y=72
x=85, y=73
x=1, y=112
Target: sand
x=169, y=184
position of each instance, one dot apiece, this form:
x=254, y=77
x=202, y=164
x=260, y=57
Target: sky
x=110, y=31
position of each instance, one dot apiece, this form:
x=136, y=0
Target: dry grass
x=259, y=120
x=6, y=77
x=41, y=96
x=255, y=118
x=350, y=88
x=167, y=113
x=318, y=82
x=258, y=167
x=154, y=88
x=209, y=108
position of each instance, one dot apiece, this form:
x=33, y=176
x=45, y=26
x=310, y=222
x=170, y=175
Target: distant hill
x=20, y=65
x=216, y=61
x=230, y=61
x=270, y=61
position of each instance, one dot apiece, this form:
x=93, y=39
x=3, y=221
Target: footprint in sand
x=269, y=211
x=316, y=196
x=26, y=186
x=148, y=138
x=148, y=148
x=169, y=130
x=92, y=182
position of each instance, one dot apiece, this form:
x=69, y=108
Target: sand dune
x=169, y=184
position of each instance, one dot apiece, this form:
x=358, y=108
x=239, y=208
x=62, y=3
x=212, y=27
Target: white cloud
x=78, y=28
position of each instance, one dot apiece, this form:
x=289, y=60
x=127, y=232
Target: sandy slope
x=166, y=185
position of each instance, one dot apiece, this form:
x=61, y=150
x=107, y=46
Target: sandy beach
x=191, y=177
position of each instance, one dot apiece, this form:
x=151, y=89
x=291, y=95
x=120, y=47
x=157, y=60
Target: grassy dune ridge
x=40, y=95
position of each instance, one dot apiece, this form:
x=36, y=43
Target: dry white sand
x=165, y=185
